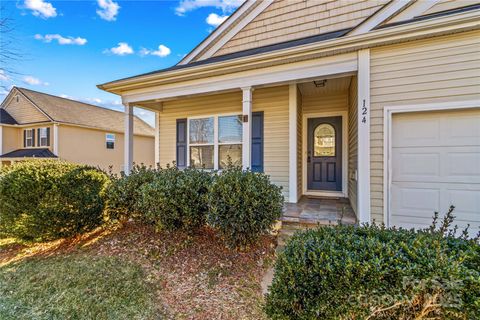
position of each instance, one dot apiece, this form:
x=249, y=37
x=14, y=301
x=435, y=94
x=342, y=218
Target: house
x=374, y=101
x=38, y=125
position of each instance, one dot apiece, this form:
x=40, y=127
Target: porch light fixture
x=320, y=83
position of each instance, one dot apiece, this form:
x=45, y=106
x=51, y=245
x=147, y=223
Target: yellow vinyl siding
x=274, y=104
x=352, y=143
x=23, y=111
x=444, y=5
x=12, y=139
x=440, y=69
x=272, y=101
x=191, y=107
x=88, y=146
x=286, y=20
x=325, y=103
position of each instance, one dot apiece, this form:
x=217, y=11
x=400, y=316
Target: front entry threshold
x=325, y=193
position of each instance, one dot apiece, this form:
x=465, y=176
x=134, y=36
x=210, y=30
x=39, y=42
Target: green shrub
x=124, y=193
x=348, y=272
x=243, y=205
x=176, y=199
x=48, y=199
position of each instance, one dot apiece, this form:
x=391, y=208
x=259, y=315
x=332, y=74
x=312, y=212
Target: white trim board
x=306, y=116
x=378, y=17
x=222, y=32
x=388, y=112
x=412, y=11
x=333, y=65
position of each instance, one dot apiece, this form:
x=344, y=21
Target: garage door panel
x=418, y=132
x=464, y=164
x=435, y=159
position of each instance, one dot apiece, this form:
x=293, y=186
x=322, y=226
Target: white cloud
x=34, y=81
x=189, y=5
x=4, y=76
x=108, y=9
x=162, y=51
x=61, y=40
x=121, y=49
x=215, y=20
x=41, y=8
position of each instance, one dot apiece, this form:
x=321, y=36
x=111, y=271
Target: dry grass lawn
x=132, y=272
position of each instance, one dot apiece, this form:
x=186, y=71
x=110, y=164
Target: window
x=214, y=141
x=29, y=138
x=230, y=141
x=110, y=140
x=201, y=140
x=43, y=137
x=324, y=141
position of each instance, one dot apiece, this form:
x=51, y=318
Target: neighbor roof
x=6, y=118
x=74, y=112
x=29, y=153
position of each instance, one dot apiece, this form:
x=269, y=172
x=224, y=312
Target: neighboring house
x=39, y=125
x=376, y=101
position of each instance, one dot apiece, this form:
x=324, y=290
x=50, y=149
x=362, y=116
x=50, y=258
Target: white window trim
x=110, y=140
x=31, y=138
x=215, y=144
x=44, y=129
x=388, y=112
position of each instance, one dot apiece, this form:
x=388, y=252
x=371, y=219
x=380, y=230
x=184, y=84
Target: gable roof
x=6, y=118
x=83, y=114
x=30, y=153
x=246, y=53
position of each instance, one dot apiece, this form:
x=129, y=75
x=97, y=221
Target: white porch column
x=55, y=139
x=247, y=127
x=292, y=143
x=128, y=138
x=363, y=181
x=157, y=138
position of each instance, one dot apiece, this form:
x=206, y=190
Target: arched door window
x=324, y=141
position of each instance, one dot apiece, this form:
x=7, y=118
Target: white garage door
x=435, y=163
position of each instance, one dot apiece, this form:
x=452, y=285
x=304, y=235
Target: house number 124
x=364, y=112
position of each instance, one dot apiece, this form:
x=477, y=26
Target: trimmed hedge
x=348, y=272
x=243, y=205
x=124, y=193
x=48, y=199
x=176, y=199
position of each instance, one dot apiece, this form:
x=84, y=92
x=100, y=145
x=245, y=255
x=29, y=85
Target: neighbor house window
x=214, y=141
x=43, y=137
x=29, y=138
x=110, y=140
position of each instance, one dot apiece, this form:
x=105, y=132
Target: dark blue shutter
x=181, y=143
x=257, y=142
x=24, y=138
x=38, y=137
x=48, y=136
x=33, y=137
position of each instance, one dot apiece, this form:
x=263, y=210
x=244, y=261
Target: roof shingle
x=30, y=153
x=6, y=118
x=78, y=113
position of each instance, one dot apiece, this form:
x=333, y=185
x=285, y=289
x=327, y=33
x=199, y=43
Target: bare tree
x=10, y=54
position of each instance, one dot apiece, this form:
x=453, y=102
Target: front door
x=324, y=154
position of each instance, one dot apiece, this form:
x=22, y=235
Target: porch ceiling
x=332, y=86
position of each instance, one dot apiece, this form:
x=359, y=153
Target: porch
x=319, y=210
x=272, y=126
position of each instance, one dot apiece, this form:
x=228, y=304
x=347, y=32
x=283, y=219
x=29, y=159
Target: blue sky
x=66, y=48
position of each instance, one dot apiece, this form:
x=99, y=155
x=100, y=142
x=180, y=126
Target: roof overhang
x=458, y=22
